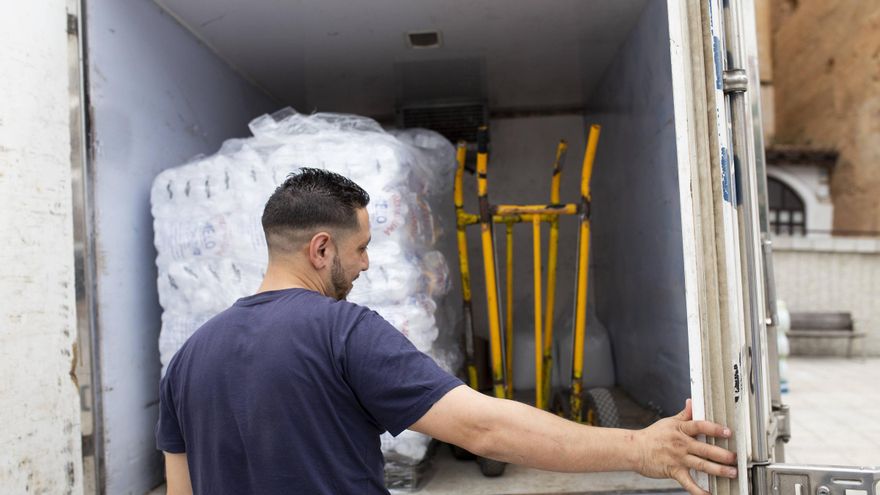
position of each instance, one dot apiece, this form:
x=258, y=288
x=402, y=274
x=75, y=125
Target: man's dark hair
x=308, y=199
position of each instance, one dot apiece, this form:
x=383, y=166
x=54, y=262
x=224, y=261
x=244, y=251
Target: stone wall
x=831, y=274
x=826, y=83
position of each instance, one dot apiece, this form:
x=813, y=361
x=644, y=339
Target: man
x=288, y=390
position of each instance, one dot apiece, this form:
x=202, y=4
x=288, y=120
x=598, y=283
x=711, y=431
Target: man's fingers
x=712, y=452
x=709, y=467
x=683, y=477
x=694, y=428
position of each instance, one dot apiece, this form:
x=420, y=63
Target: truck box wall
x=639, y=274
x=158, y=97
x=40, y=417
x=634, y=102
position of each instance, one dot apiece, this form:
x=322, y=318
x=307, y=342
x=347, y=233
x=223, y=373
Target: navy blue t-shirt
x=288, y=391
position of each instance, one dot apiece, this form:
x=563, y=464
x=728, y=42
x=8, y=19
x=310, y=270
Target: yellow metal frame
x=550, y=209
x=462, y=220
x=539, y=347
x=508, y=326
x=580, y=324
x=501, y=343
x=499, y=380
x=552, y=254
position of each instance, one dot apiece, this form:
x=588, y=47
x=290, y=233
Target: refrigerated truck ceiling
x=676, y=264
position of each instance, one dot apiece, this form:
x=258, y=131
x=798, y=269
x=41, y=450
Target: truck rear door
x=733, y=358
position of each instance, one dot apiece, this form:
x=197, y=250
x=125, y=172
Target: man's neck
x=285, y=276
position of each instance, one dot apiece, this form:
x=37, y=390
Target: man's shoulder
x=347, y=317
x=302, y=307
x=320, y=306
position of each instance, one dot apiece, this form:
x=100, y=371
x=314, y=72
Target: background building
x=820, y=74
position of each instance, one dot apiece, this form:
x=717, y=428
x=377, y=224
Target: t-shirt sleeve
x=393, y=381
x=168, y=435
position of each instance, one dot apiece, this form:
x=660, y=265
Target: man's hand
x=669, y=449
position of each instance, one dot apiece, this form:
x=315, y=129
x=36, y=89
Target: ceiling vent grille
x=454, y=121
x=424, y=39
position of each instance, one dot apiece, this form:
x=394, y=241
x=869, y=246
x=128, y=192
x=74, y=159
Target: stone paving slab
x=835, y=411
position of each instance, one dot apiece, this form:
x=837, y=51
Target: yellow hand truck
x=501, y=343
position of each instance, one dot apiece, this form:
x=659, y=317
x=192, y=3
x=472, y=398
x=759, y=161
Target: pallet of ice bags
x=211, y=248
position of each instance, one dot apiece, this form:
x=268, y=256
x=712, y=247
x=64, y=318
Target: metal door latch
x=781, y=424
x=804, y=479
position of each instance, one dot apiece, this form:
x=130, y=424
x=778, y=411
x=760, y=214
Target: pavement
x=835, y=411
x=835, y=419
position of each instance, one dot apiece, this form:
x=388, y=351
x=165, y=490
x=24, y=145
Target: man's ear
x=321, y=250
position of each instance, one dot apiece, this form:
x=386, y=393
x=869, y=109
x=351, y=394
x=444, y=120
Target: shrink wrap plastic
x=211, y=248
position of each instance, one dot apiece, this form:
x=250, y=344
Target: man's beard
x=340, y=284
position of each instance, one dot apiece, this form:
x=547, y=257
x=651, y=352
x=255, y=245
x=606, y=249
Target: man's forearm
x=513, y=432
x=521, y=434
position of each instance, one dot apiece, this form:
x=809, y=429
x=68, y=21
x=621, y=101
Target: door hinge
x=781, y=424
x=805, y=479
x=735, y=81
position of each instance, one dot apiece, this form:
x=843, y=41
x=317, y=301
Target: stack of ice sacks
x=211, y=247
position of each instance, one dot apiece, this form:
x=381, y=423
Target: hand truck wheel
x=461, y=454
x=490, y=467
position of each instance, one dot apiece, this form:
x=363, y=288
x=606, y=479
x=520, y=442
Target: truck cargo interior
x=172, y=79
